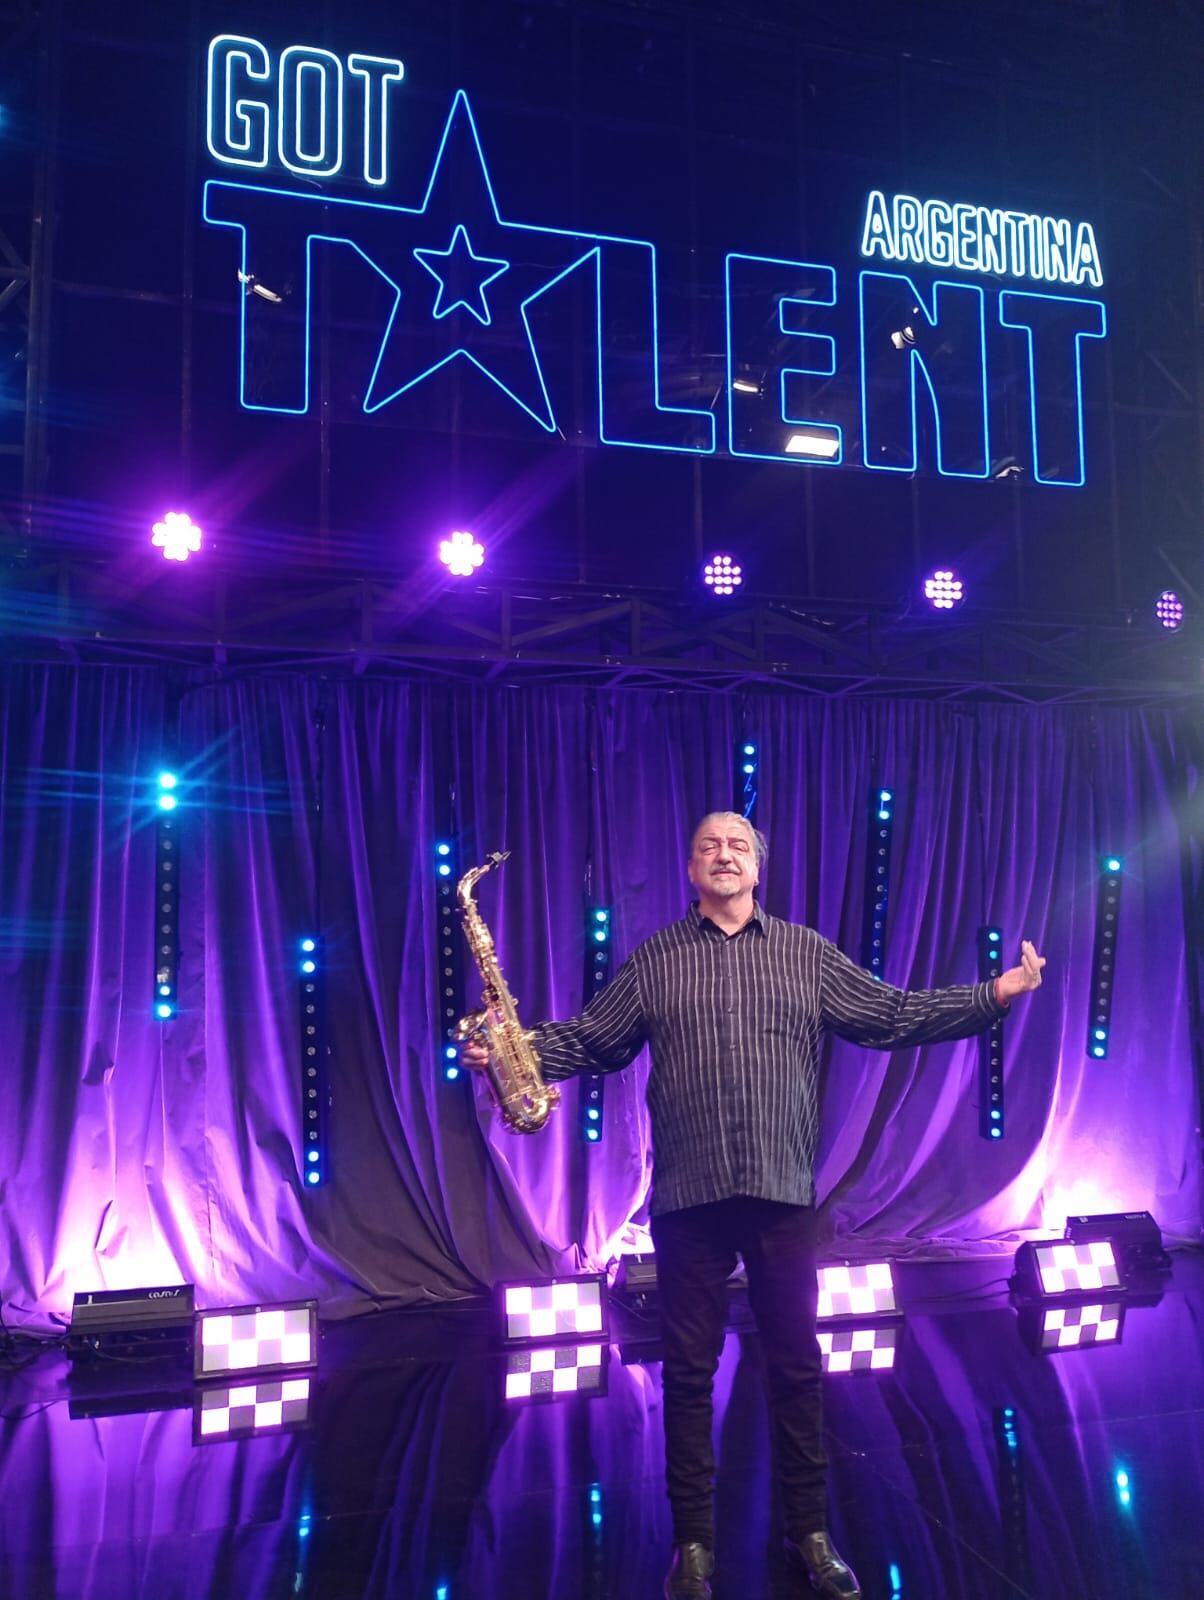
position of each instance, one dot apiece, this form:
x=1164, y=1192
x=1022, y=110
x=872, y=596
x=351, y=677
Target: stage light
x=177, y=536
x=552, y=1372
x=461, y=554
x=1124, y=1488
x=315, y=1095
x=824, y=446
x=746, y=779
x=903, y=338
x=1168, y=608
x=448, y=942
x=877, y=881
x=722, y=575
x=253, y=286
x=263, y=1338
x=240, y=1411
x=990, y=1043
x=124, y=1323
x=1135, y=1237
x=943, y=589
x=858, y=1349
x=596, y=975
x=1103, y=959
x=167, y=898
x=856, y=1291
x=552, y=1309
x=1049, y=1269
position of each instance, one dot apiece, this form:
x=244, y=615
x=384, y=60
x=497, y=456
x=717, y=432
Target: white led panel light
x=556, y=1308
x=864, y=1291
x=256, y=1339
x=550, y=1371
x=241, y=1410
x=1079, y=1326
x=1077, y=1268
x=858, y=1349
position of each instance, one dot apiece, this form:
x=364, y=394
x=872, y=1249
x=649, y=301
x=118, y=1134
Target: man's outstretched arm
x=859, y=1008
x=607, y=1036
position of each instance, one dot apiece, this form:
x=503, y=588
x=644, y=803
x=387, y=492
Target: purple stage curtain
x=140, y=1153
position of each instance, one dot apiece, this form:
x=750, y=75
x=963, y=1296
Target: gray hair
x=760, y=842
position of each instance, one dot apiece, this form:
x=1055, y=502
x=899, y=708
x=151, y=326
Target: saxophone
x=524, y=1099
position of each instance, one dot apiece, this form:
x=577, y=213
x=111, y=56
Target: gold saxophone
x=523, y=1098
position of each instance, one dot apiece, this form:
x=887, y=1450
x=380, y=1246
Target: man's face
x=723, y=858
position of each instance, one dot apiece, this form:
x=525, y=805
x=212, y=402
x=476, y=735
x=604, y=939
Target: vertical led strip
x=315, y=1091
x=748, y=763
x=447, y=957
x=877, y=881
x=167, y=899
x=990, y=1043
x=597, y=975
x=1103, y=960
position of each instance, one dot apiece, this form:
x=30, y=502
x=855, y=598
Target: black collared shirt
x=734, y=1024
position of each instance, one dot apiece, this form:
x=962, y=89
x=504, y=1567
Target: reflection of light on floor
x=858, y=1349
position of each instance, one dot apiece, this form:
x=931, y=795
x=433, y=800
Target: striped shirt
x=734, y=1023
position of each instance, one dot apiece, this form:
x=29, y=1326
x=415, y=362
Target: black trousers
x=696, y=1252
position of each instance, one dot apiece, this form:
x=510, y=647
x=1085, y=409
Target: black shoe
x=830, y=1576
x=688, y=1577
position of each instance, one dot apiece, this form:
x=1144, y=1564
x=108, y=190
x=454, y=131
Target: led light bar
x=256, y=1339
x=863, y=1291
x=1103, y=959
x=448, y=942
x=877, y=881
x=241, y=1410
x=549, y=1372
x=990, y=1043
x=748, y=763
x=597, y=973
x=553, y=1309
x=859, y=1349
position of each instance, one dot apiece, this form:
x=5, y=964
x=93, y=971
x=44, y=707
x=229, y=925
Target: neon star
x=462, y=267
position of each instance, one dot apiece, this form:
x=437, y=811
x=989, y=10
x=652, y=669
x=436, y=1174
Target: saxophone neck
x=468, y=883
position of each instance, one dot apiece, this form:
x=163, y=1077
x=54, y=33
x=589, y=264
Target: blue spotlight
x=308, y=945
x=163, y=1011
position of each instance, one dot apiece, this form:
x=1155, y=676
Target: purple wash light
x=177, y=535
x=722, y=574
x=944, y=589
x=553, y=1308
x=1169, y=610
x=461, y=554
x=862, y=1291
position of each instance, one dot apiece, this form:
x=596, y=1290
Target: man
x=733, y=1002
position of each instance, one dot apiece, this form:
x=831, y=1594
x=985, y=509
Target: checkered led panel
x=238, y=1410
x=253, y=1338
x=554, y=1370
x=557, y=1309
x=858, y=1349
x=1078, y=1326
x=1077, y=1268
x=864, y=1291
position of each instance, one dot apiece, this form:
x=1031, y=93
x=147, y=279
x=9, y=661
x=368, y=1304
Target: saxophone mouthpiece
x=498, y=857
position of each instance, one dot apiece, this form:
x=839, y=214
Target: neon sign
x=966, y=238
x=465, y=283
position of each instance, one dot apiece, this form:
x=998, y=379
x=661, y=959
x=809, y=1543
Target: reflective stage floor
x=975, y=1465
